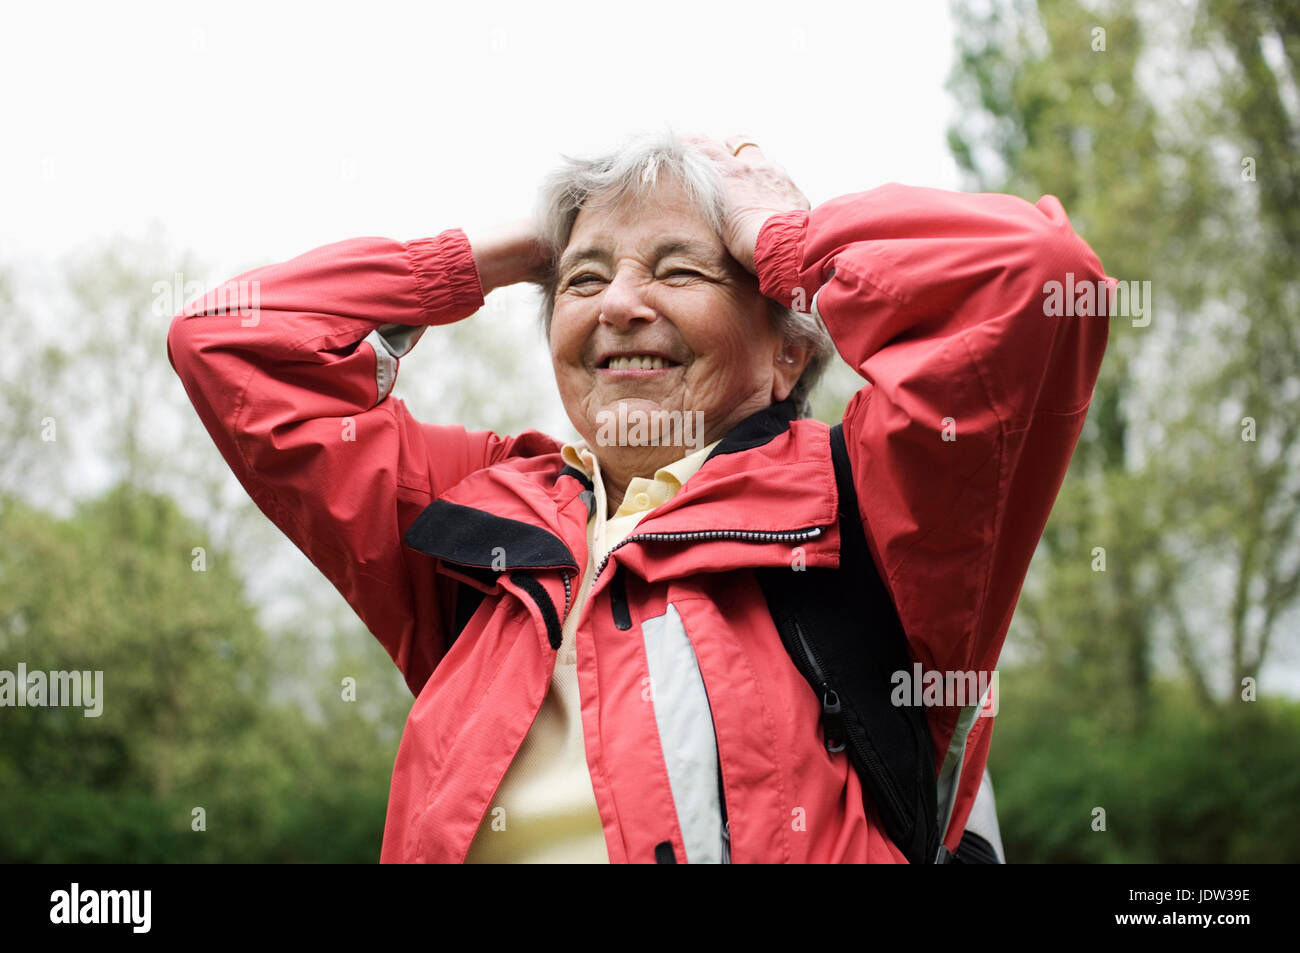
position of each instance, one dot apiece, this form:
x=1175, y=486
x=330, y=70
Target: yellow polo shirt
x=545, y=809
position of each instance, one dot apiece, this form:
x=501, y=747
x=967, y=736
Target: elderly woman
x=598, y=674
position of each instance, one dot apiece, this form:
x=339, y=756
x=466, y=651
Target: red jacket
x=959, y=441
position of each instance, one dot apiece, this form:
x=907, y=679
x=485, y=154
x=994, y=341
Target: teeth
x=638, y=362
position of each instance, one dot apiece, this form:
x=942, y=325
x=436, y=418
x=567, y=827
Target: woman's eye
x=686, y=272
x=584, y=278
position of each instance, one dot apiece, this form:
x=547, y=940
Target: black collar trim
x=482, y=541
x=757, y=429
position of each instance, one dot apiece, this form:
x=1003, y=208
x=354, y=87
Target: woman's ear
x=788, y=367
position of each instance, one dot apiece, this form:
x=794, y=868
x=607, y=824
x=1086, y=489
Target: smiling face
x=652, y=312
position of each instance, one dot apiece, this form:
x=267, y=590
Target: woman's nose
x=623, y=300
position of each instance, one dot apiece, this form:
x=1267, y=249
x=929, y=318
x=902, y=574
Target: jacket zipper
x=748, y=536
x=623, y=620
x=832, y=712
x=833, y=721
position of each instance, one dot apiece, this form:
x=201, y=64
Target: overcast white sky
x=255, y=131
x=252, y=132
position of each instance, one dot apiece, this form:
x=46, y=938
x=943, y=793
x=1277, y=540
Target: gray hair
x=631, y=172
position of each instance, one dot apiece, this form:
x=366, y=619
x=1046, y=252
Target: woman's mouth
x=642, y=363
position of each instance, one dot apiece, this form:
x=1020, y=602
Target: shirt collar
x=642, y=494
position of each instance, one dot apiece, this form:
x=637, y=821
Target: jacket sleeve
x=974, y=397
x=291, y=366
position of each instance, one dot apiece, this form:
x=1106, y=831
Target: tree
x=1196, y=525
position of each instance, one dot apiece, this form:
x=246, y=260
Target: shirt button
x=642, y=500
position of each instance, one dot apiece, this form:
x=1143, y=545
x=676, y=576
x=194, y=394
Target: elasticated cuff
x=778, y=253
x=447, y=276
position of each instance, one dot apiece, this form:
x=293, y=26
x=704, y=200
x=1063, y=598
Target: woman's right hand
x=507, y=254
x=754, y=188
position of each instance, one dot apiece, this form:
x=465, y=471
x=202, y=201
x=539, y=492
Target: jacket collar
x=770, y=475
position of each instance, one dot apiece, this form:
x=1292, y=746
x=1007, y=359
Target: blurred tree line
x=236, y=680
x=1169, y=574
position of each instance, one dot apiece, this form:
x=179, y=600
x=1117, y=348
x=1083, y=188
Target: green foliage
x=189, y=719
x=1194, y=786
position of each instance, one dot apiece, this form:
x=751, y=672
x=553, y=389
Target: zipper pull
x=832, y=721
x=618, y=601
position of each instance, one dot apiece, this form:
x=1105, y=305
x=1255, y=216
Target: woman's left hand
x=754, y=189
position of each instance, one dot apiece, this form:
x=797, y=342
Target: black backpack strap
x=844, y=635
x=974, y=849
